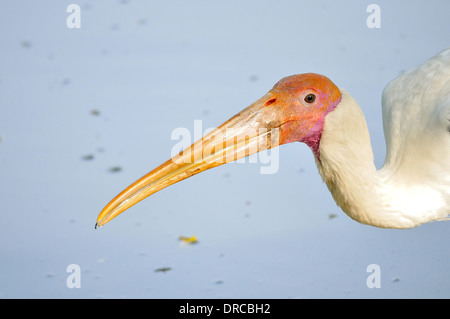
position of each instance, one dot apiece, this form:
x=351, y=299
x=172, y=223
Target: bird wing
x=416, y=117
x=416, y=123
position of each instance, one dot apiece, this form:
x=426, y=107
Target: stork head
x=293, y=110
x=305, y=100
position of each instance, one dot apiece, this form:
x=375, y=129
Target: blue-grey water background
x=84, y=112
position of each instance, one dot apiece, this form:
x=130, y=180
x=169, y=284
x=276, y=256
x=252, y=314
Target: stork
x=413, y=186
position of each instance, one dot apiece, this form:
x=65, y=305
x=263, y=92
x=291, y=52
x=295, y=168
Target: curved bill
x=252, y=130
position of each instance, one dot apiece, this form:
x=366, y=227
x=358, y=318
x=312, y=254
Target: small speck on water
x=188, y=240
x=25, y=44
x=95, y=112
x=141, y=22
x=115, y=169
x=88, y=157
x=163, y=269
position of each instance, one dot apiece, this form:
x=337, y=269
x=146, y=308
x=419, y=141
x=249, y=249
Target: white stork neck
x=347, y=167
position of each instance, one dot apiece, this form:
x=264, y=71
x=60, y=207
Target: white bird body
x=413, y=186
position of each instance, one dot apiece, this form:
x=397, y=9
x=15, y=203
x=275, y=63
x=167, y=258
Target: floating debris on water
x=141, y=22
x=95, y=112
x=188, y=240
x=25, y=44
x=163, y=269
x=88, y=157
x=332, y=216
x=114, y=27
x=115, y=169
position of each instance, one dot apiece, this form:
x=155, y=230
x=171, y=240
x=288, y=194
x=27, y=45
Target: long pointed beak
x=252, y=130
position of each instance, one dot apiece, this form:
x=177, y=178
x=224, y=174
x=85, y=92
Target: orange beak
x=244, y=134
x=276, y=118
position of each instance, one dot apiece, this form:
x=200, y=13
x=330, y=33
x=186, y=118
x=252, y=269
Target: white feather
x=413, y=186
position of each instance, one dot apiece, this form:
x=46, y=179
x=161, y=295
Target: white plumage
x=413, y=186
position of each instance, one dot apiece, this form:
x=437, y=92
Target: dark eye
x=310, y=98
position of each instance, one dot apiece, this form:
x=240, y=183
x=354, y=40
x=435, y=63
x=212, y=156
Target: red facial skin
x=303, y=121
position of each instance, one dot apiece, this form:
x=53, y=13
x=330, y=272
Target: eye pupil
x=310, y=98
